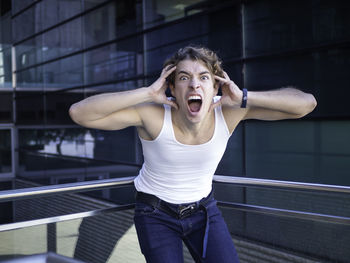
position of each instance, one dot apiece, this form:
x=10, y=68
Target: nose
x=194, y=83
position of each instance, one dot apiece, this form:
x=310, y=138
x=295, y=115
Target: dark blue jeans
x=160, y=235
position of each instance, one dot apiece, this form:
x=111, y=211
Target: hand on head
x=231, y=94
x=159, y=87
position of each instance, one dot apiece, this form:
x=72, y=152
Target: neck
x=186, y=126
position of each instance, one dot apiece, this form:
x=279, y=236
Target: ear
x=216, y=87
x=172, y=89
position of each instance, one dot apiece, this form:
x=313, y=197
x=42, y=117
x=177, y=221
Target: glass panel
x=208, y=29
x=116, y=19
x=100, y=25
x=257, y=236
x=5, y=67
x=280, y=239
x=232, y=161
x=29, y=53
x=62, y=40
x=5, y=45
x=276, y=238
x=55, y=11
x=6, y=208
x=115, y=145
x=277, y=151
x=64, y=73
x=315, y=73
x=104, y=238
x=18, y=5
x=276, y=25
x=31, y=78
x=57, y=155
x=115, y=62
x=158, y=12
x=185, y=31
x=6, y=107
x=57, y=106
x=27, y=23
x=34, y=242
x=224, y=32
x=30, y=107
x=5, y=151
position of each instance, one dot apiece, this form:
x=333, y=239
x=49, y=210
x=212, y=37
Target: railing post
x=51, y=237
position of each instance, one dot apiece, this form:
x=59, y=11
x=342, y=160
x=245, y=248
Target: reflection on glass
x=24, y=24
x=76, y=143
x=5, y=151
x=30, y=78
x=18, y=5
x=64, y=73
x=5, y=66
x=114, y=62
x=100, y=25
x=158, y=12
x=58, y=141
x=114, y=20
x=62, y=40
x=29, y=52
x=56, y=11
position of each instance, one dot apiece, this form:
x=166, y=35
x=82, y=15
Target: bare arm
x=118, y=110
x=284, y=103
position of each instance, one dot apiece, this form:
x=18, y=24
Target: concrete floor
x=33, y=240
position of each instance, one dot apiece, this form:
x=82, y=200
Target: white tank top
x=179, y=173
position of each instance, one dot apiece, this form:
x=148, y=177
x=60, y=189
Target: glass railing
x=106, y=236
x=270, y=221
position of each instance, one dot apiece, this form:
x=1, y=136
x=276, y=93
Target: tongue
x=195, y=106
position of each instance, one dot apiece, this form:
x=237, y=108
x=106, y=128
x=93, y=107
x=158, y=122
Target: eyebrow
x=185, y=72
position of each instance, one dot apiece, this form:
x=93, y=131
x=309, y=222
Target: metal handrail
x=325, y=218
x=244, y=181
x=57, y=219
x=17, y=194
x=11, y=195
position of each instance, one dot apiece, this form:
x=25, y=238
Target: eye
x=204, y=77
x=183, y=78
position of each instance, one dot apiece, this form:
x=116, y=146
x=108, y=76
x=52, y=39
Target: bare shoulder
x=152, y=116
x=233, y=116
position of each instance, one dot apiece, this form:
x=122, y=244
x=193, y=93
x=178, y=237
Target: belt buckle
x=186, y=210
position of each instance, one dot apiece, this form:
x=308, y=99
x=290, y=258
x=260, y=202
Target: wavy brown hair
x=207, y=56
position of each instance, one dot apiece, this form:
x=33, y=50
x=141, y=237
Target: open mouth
x=194, y=103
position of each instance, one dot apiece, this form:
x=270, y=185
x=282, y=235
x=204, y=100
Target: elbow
x=73, y=113
x=313, y=103
x=310, y=105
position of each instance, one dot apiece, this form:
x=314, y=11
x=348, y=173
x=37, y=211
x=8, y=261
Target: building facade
x=56, y=52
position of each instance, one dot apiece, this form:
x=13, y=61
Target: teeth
x=195, y=97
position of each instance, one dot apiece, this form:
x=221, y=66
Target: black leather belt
x=178, y=211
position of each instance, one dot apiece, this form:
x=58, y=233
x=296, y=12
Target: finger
x=167, y=68
x=221, y=79
x=172, y=103
x=226, y=76
x=167, y=71
x=215, y=105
